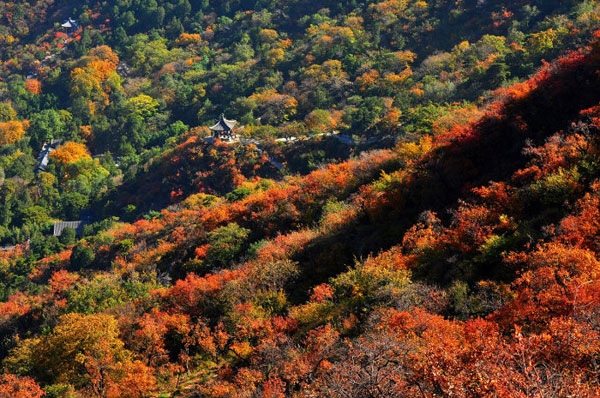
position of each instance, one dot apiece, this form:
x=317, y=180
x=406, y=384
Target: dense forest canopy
x=408, y=206
x=133, y=76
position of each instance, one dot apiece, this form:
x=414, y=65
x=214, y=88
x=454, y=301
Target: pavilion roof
x=70, y=23
x=223, y=124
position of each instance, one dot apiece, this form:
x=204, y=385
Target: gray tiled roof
x=61, y=225
x=223, y=124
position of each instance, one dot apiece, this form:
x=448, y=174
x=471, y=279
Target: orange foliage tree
x=34, y=86
x=12, y=386
x=70, y=152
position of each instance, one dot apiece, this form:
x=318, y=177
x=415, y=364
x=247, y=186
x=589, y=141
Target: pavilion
x=223, y=129
x=70, y=25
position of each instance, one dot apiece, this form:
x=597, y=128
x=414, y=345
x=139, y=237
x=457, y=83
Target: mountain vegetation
x=411, y=209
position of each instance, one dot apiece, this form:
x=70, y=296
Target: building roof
x=70, y=23
x=223, y=124
x=61, y=225
x=43, y=157
x=43, y=161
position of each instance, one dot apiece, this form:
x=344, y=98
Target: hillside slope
x=464, y=264
x=132, y=80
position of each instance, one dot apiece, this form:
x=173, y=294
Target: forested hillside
x=411, y=208
x=133, y=76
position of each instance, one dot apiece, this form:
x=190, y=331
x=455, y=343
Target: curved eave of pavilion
x=223, y=125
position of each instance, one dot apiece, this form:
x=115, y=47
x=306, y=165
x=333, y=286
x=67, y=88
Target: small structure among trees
x=60, y=226
x=44, y=156
x=70, y=25
x=223, y=129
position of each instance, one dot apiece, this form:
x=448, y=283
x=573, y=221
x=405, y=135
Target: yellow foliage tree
x=82, y=350
x=268, y=35
x=85, y=82
x=7, y=112
x=274, y=56
x=323, y=73
x=389, y=11
x=405, y=57
x=186, y=39
x=395, y=80
x=86, y=352
x=143, y=105
x=86, y=133
x=12, y=131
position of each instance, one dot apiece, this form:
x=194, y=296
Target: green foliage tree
x=81, y=257
x=68, y=236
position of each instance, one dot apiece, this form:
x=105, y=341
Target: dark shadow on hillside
x=493, y=152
